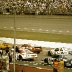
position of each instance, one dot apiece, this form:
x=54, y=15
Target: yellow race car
x=4, y=45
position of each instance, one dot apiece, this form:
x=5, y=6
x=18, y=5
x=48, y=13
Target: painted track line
x=54, y=30
x=32, y=29
x=67, y=31
x=25, y=28
x=40, y=29
x=60, y=31
x=19, y=28
x=46, y=30
x=11, y=27
x=4, y=27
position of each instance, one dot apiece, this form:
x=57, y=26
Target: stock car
x=35, y=49
x=70, y=52
x=59, y=51
x=68, y=63
x=26, y=55
x=47, y=61
x=5, y=45
x=67, y=60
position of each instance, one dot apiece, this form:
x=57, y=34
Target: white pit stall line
x=35, y=64
x=39, y=67
x=43, y=68
x=26, y=64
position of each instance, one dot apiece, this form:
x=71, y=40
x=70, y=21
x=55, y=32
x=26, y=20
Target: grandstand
x=36, y=7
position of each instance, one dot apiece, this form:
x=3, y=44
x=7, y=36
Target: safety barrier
x=22, y=68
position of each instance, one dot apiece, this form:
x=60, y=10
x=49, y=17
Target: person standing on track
x=61, y=66
x=55, y=65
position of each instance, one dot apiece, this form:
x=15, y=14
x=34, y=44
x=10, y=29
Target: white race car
x=26, y=55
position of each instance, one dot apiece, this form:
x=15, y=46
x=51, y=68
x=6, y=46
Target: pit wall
x=21, y=68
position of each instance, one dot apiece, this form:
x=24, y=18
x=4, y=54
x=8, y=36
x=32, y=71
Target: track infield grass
x=37, y=36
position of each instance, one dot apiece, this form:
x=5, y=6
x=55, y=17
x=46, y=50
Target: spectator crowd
x=36, y=7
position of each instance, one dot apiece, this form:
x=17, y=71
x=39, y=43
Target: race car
x=34, y=49
x=4, y=45
x=26, y=55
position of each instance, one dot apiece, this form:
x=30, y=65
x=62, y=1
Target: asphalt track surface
x=47, y=24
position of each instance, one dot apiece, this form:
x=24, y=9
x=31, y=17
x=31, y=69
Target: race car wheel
x=20, y=57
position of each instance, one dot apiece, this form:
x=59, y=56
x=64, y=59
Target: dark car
x=68, y=63
x=70, y=52
x=47, y=61
x=67, y=60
